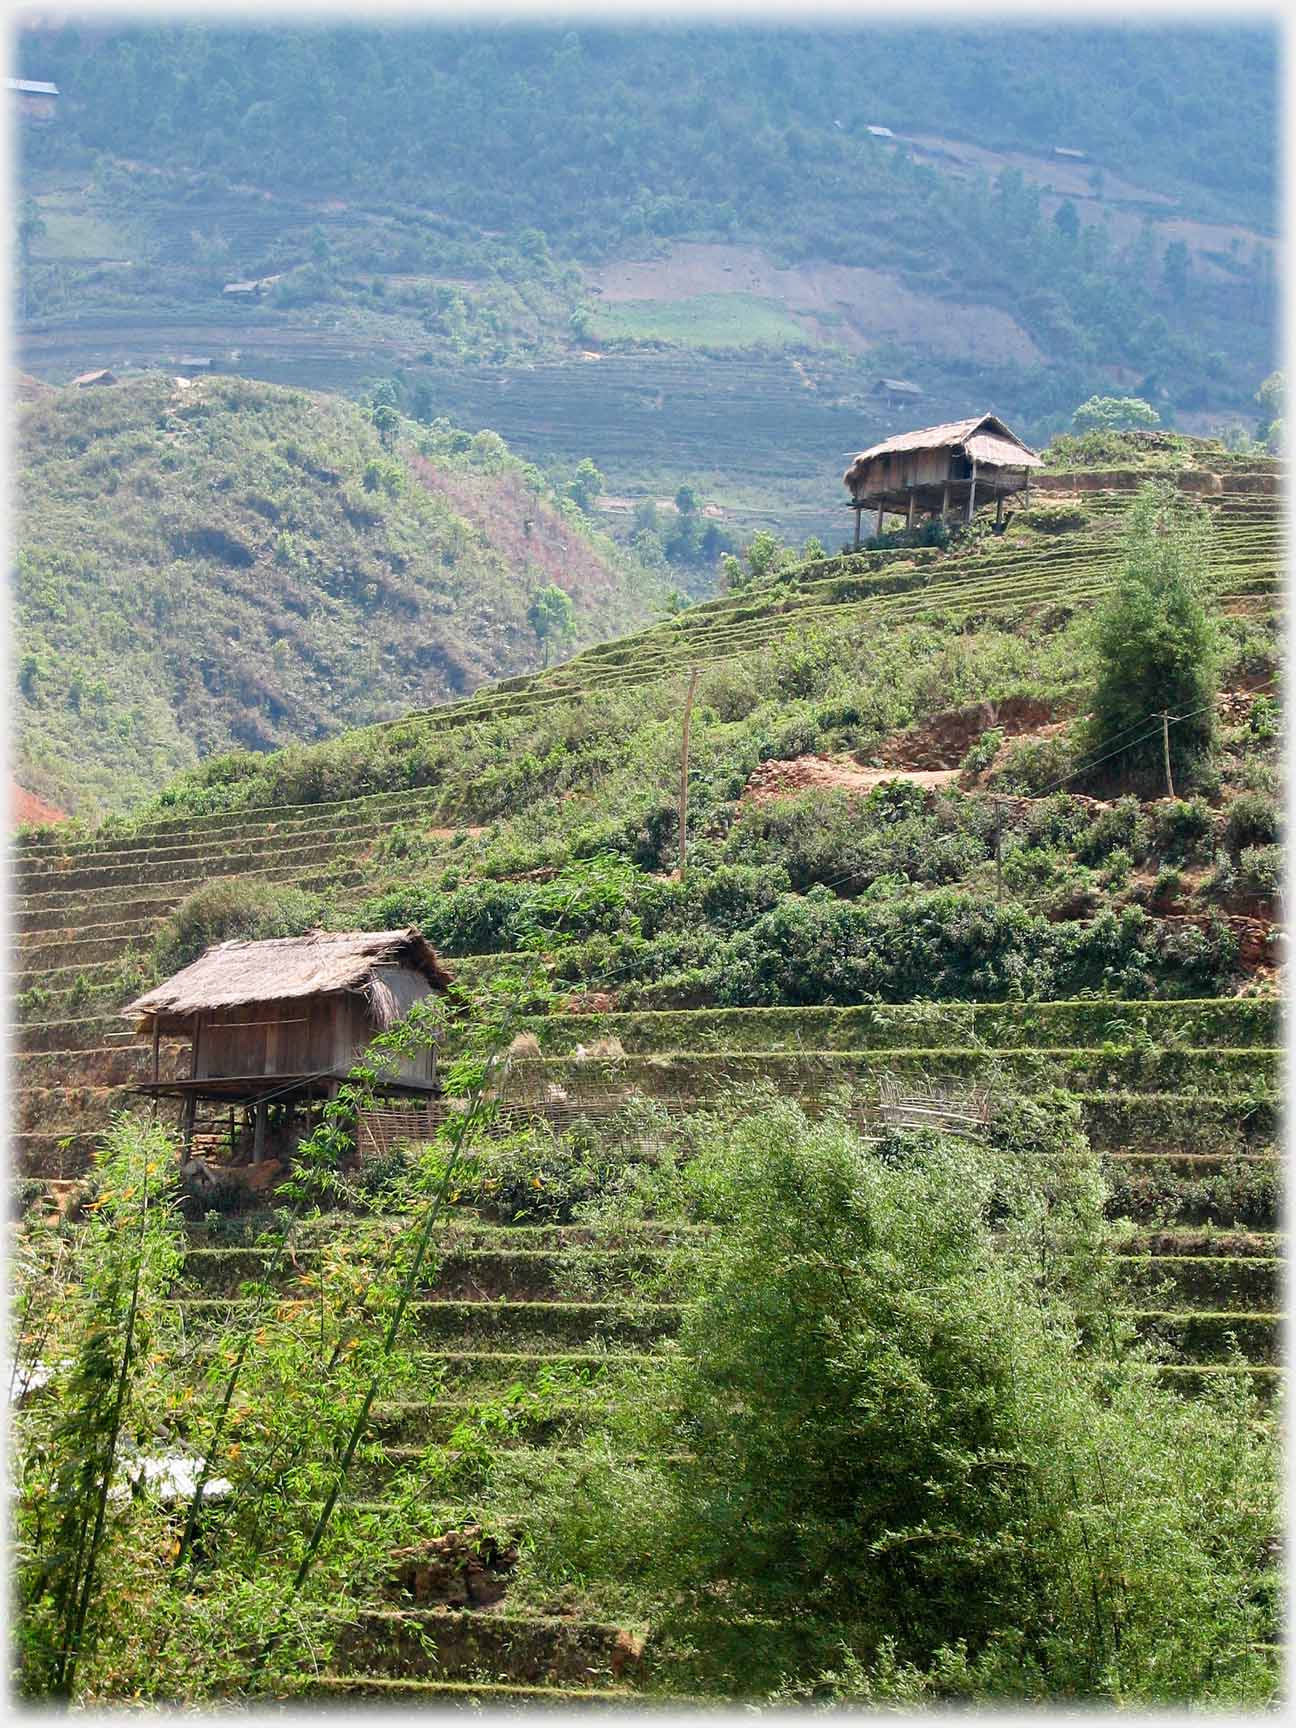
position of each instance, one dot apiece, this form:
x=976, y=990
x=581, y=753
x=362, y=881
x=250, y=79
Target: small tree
x=686, y=501
x=1157, y=644
x=585, y=485
x=1114, y=414
x=1270, y=398
x=552, y=617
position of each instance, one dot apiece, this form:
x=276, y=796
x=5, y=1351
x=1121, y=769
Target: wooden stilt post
x=1165, y=746
x=881, y=514
x=1026, y=500
x=945, y=502
x=998, y=509
x=859, y=512
x=684, y=772
x=971, y=504
x=259, y=1132
x=913, y=508
x=187, y=1130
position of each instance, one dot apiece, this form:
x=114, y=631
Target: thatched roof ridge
x=984, y=436
x=322, y=963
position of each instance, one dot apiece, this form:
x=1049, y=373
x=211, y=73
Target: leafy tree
x=883, y=1426
x=1114, y=414
x=386, y=424
x=1174, y=270
x=585, y=485
x=1270, y=398
x=552, y=617
x=686, y=501
x=1066, y=219
x=1157, y=643
x=31, y=228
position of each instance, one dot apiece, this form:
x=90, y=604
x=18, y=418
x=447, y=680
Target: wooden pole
x=859, y=512
x=998, y=509
x=945, y=502
x=913, y=506
x=156, y=1035
x=881, y=514
x=1165, y=745
x=998, y=849
x=971, y=505
x=684, y=772
x=259, y=1132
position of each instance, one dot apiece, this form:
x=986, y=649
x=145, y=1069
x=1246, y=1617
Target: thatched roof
x=321, y=964
x=984, y=438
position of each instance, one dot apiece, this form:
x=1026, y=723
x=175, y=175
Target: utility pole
x=684, y=772
x=1165, y=745
x=998, y=849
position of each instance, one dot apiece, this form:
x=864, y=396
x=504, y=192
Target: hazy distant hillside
x=683, y=252
x=229, y=563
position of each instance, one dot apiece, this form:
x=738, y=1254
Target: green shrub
x=1034, y=766
x=1260, y=871
x=233, y=908
x=1182, y=830
x=882, y=1435
x=981, y=753
x=1253, y=820
x=1054, y=518
x=1123, y=827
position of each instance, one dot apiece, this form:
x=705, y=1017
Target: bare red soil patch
x=25, y=806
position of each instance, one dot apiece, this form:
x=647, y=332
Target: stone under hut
x=960, y=466
x=274, y=1029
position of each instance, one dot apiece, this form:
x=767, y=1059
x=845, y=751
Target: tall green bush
x=884, y=1438
x=1157, y=645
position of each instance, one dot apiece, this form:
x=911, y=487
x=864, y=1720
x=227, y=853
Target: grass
x=735, y=321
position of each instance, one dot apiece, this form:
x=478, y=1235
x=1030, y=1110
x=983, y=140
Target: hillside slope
x=222, y=563
x=669, y=280
x=904, y=882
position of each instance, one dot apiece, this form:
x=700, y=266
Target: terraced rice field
x=1181, y=1098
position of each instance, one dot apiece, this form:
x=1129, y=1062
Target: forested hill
x=599, y=135
x=684, y=252
x=220, y=563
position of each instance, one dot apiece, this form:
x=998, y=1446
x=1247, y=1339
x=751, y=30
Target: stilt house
x=960, y=465
x=274, y=1028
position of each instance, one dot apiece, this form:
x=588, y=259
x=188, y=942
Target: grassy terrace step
x=103, y=863
x=1172, y=1123
x=686, y=1074
x=1202, y=1336
x=189, y=832
x=127, y=899
x=1248, y=1284
x=419, y=1694
x=531, y=1649
x=520, y=1324
x=459, y=1272
x=1219, y=1022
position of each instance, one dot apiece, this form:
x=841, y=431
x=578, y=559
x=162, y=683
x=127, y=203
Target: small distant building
x=880, y=131
x=190, y=363
x=36, y=101
x=242, y=290
x=1075, y=155
x=958, y=465
x=275, y=1028
x=89, y=380
x=896, y=392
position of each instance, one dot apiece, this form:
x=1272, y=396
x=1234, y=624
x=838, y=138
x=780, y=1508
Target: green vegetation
x=894, y=1431
x=1158, y=646
x=237, y=564
x=440, y=213
x=606, y=1364
x=705, y=321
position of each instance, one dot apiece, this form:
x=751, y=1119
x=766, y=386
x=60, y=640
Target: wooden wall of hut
x=305, y=1035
